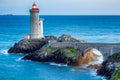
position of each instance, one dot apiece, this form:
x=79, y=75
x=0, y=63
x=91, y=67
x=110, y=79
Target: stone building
x=36, y=24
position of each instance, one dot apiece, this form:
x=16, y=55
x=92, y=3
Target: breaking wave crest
x=4, y=51
x=59, y=65
x=99, y=58
x=19, y=59
x=92, y=59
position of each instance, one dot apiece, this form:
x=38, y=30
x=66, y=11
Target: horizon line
x=61, y=15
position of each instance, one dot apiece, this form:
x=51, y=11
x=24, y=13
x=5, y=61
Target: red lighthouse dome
x=34, y=7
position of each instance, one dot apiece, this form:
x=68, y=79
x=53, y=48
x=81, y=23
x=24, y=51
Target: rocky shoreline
x=110, y=66
x=27, y=46
x=39, y=50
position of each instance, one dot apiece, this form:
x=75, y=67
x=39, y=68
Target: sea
x=92, y=28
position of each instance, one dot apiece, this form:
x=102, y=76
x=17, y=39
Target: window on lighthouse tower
x=39, y=27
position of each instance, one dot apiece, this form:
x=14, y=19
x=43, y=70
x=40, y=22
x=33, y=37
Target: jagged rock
x=64, y=55
x=31, y=45
x=51, y=38
x=63, y=38
x=107, y=69
x=40, y=50
x=27, y=46
x=68, y=38
x=109, y=66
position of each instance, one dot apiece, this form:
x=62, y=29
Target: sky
x=61, y=7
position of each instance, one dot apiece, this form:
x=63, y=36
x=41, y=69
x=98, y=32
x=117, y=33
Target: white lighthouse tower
x=36, y=24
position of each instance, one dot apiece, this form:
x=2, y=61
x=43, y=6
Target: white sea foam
x=99, y=58
x=59, y=65
x=103, y=78
x=19, y=59
x=4, y=51
x=93, y=72
x=84, y=66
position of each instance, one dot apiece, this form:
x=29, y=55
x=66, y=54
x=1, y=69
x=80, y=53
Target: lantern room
x=34, y=7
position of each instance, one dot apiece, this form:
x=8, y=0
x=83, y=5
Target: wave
x=99, y=58
x=93, y=72
x=19, y=59
x=59, y=65
x=4, y=51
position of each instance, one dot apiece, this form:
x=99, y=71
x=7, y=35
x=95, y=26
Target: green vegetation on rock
x=115, y=58
x=30, y=43
x=116, y=55
x=116, y=75
x=71, y=52
x=49, y=49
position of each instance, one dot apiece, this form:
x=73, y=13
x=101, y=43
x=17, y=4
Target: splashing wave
x=59, y=65
x=4, y=51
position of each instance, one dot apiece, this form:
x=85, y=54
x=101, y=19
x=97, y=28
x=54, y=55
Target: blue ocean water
x=89, y=28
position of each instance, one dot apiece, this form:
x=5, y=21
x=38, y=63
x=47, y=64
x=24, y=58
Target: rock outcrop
x=31, y=45
x=40, y=50
x=27, y=46
x=51, y=38
x=68, y=38
x=109, y=66
x=107, y=69
x=50, y=54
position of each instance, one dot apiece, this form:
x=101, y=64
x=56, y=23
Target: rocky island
x=40, y=50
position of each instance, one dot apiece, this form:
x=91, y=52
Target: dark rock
x=51, y=38
x=68, y=38
x=27, y=46
x=63, y=38
x=107, y=69
x=31, y=45
x=63, y=55
x=109, y=66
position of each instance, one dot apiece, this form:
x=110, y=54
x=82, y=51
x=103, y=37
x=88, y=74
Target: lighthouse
x=36, y=24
